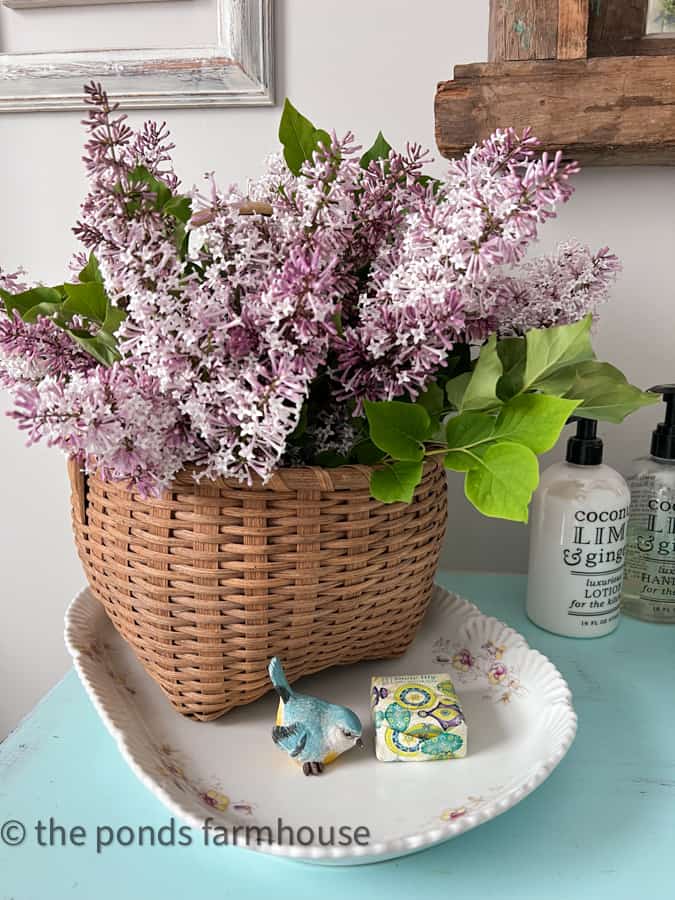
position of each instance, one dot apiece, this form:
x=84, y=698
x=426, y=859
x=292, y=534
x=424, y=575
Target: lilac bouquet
x=343, y=308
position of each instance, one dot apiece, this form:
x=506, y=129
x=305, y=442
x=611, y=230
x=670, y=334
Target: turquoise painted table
x=601, y=827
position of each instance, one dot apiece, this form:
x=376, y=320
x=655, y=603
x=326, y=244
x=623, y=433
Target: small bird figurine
x=312, y=731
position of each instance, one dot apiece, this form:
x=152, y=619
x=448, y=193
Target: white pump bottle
x=578, y=525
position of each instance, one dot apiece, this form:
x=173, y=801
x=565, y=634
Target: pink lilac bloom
x=119, y=220
x=13, y=282
x=31, y=352
x=429, y=289
x=556, y=289
x=236, y=349
x=359, y=280
x=115, y=421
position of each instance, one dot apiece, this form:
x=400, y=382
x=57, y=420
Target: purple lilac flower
x=31, y=352
x=13, y=282
x=429, y=289
x=116, y=421
x=362, y=280
x=555, y=289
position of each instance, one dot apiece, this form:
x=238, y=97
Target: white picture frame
x=238, y=70
x=658, y=21
x=44, y=4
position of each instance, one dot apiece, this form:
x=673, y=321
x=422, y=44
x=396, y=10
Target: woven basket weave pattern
x=213, y=578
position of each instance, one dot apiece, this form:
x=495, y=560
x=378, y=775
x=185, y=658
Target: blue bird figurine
x=313, y=732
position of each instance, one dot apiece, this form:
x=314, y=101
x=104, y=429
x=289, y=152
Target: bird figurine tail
x=278, y=678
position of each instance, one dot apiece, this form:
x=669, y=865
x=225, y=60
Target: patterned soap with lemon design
x=417, y=718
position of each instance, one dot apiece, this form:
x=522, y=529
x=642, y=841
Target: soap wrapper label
x=417, y=718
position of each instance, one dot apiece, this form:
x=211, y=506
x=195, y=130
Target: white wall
x=359, y=64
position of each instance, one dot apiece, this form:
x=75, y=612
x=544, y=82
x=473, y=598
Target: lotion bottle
x=578, y=527
x=649, y=587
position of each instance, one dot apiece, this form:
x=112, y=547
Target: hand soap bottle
x=578, y=525
x=649, y=588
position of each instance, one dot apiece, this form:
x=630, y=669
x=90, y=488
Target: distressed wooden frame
x=237, y=71
x=582, y=73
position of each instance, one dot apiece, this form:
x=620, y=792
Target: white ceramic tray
x=518, y=708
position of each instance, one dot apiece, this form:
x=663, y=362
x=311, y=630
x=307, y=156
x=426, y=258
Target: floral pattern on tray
x=171, y=764
x=471, y=805
x=488, y=666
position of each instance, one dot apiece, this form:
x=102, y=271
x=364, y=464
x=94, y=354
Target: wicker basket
x=212, y=579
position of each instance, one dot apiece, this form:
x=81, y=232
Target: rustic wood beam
x=605, y=111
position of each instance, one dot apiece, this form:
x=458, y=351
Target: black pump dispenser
x=585, y=448
x=663, y=437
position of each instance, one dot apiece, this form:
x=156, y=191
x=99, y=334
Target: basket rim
x=288, y=478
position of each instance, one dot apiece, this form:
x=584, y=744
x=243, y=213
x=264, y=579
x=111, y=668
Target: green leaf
x=469, y=429
x=604, y=393
x=91, y=271
x=433, y=399
x=481, y=390
x=113, y=319
x=181, y=239
x=141, y=175
x=463, y=434
x=299, y=137
x=179, y=207
x=379, y=150
x=456, y=388
x=399, y=429
x=534, y=420
x=558, y=384
x=551, y=349
x=503, y=481
x=367, y=454
x=102, y=347
x=46, y=309
x=88, y=300
x=38, y=301
x=396, y=483
x=426, y=181
x=459, y=460
x=337, y=320
x=512, y=353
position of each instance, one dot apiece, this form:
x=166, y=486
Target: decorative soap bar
x=417, y=718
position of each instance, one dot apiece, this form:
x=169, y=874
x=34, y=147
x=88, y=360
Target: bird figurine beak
x=360, y=744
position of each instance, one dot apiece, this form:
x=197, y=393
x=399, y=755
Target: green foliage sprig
x=82, y=309
x=493, y=420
